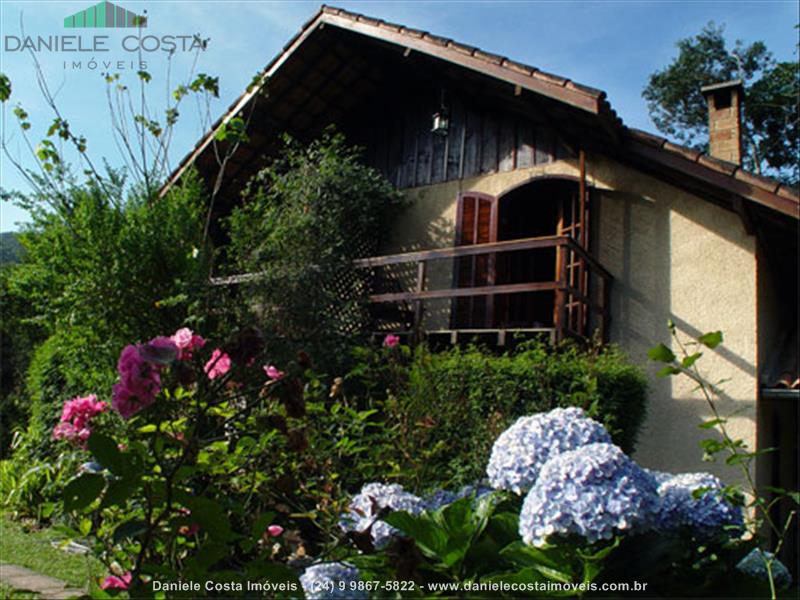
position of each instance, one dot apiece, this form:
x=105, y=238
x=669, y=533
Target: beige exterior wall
x=673, y=256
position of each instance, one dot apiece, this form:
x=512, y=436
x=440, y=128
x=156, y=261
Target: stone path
x=25, y=580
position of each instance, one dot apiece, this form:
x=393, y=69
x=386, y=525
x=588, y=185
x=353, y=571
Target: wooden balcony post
x=560, y=316
x=582, y=283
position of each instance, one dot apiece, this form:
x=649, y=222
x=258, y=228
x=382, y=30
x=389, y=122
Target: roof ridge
x=474, y=51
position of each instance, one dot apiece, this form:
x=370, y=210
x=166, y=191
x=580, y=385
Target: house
x=535, y=209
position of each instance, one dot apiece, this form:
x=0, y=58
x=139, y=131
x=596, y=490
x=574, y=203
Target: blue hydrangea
x=522, y=449
x=331, y=581
x=754, y=565
x=365, y=506
x=441, y=498
x=594, y=492
x=706, y=516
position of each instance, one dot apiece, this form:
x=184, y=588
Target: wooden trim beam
x=485, y=290
x=460, y=251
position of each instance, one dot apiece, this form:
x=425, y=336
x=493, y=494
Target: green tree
x=770, y=123
x=303, y=219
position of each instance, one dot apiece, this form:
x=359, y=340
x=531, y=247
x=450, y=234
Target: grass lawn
x=33, y=550
x=8, y=593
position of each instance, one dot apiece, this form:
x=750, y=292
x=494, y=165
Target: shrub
x=92, y=274
x=592, y=517
x=66, y=365
x=203, y=456
x=304, y=218
x=448, y=407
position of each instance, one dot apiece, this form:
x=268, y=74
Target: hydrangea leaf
x=82, y=491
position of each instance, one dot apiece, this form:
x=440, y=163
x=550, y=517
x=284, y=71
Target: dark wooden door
x=476, y=223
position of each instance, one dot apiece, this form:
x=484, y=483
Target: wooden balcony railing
x=577, y=274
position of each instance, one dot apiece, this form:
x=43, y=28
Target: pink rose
x=186, y=341
x=182, y=337
x=390, y=341
x=219, y=364
x=112, y=582
x=273, y=372
x=75, y=417
x=274, y=530
x=64, y=431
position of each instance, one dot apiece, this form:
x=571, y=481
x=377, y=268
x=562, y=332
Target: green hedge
x=68, y=364
x=447, y=408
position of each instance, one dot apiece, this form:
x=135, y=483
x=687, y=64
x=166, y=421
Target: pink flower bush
x=112, y=582
x=219, y=364
x=273, y=372
x=187, y=341
x=139, y=382
x=274, y=530
x=75, y=417
x=390, y=341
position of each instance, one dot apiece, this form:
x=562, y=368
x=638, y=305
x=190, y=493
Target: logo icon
x=105, y=14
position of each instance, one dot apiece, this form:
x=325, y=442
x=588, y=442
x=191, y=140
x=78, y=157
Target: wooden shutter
x=476, y=223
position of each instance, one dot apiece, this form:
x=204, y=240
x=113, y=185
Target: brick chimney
x=725, y=119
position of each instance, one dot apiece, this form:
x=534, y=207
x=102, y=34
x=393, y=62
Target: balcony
x=573, y=300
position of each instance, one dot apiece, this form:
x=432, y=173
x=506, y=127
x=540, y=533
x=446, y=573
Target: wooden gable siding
x=399, y=142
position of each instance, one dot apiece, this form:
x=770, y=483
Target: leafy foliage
x=447, y=408
x=771, y=118
x=764, y=514
x=95, y=273
x=107, y=264
x=10, y=248
x=304, y=219
x=188, y=486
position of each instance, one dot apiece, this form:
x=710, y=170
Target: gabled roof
x=581, y=105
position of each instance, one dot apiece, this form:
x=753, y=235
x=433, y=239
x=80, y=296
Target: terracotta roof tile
x=441, y=41
x=488, y=56
x=464, y=48
x=723, y=166
x=787, y=191
x=585, y=89
x=756, y=180
x=550, y=78
x=519, y=67
x=368, y=20
x=417, y=33
x=687, y=153
x=392, y=26
x=647, y=138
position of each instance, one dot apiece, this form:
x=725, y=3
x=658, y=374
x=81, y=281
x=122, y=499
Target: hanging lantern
x=441, y=118
x=441, y=122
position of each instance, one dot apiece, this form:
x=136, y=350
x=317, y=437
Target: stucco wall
x=673, y=256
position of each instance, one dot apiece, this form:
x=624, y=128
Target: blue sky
x=611, y=45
